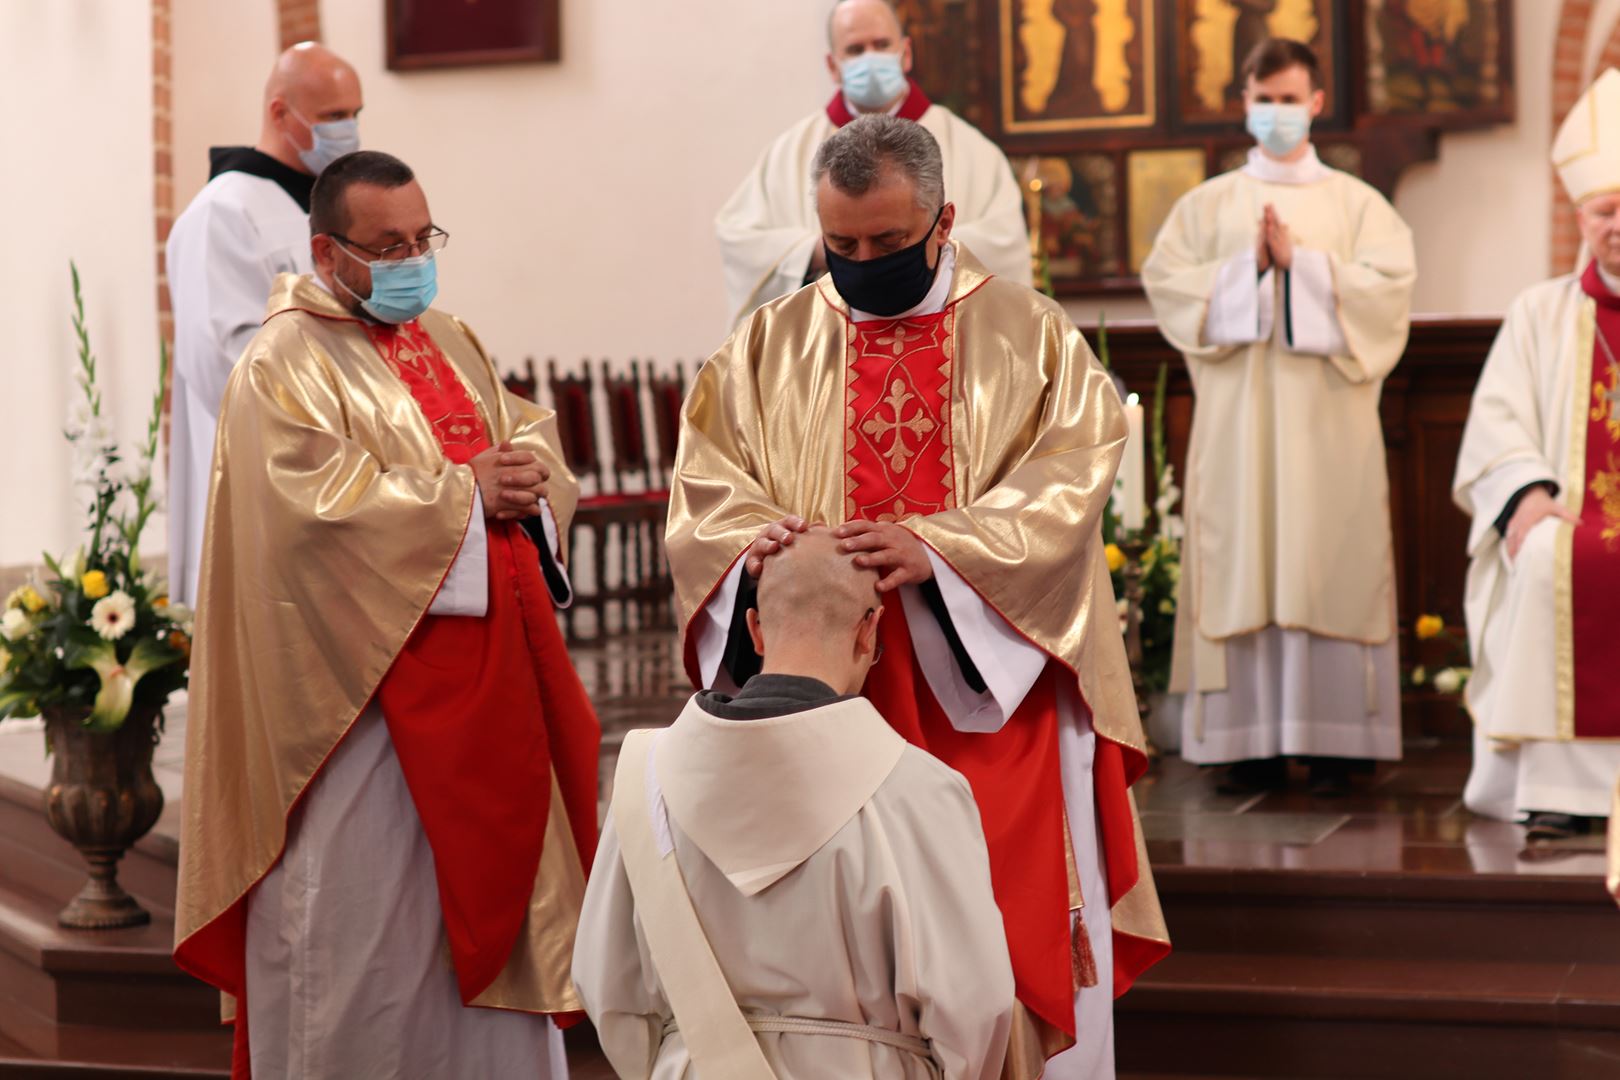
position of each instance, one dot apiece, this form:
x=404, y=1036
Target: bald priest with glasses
x=390, y=763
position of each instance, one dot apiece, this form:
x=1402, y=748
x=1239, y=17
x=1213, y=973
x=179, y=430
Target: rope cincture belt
x=798, y=1025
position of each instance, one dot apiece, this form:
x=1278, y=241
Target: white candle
x=1133, y=469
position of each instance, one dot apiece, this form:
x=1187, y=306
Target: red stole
x=1595, y=566
x=899, y=461
x=912, y=108
x=482, y=711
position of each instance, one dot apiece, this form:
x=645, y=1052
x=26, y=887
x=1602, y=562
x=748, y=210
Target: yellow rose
x=1429, y=626
x=32, y=601
x=1116, y=558
x=94, y=584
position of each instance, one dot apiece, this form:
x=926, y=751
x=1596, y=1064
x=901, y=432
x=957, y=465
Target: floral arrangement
x=1453, y=677
x=98, y=633
x=1161, y=561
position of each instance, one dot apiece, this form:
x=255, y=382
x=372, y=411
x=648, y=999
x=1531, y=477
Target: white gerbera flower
x=1448, y=681
x=113, y=616
x=14, y=624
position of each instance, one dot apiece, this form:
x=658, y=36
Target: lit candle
x=1133, y=470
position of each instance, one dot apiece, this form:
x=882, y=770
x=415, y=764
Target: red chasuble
x=481, y=711
x=1595, y=545
x=899, y=455
x=912, y=108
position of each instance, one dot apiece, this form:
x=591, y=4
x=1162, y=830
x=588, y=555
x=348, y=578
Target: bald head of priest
x=312, y=104
x=868, y=54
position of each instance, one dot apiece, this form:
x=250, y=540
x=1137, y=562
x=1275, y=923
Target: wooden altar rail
x=1424, y=407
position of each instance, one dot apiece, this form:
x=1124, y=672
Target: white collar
x=1307, y=170
x=934, y=302
x=759, y=797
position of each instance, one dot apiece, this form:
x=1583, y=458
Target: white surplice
x=768, y=229
x=1288, y=688
x=1519, y=434
x=347, y=960
x=224, y=251
x=1009, y=665
x=838, y=873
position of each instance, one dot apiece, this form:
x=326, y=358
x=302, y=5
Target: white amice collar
x=1307, y=170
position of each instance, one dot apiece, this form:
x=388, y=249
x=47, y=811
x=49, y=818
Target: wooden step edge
x=17, y=1068
x=1235, y=884
x=29, y=931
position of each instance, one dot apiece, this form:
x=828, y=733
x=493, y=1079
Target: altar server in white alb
x=1288, y=287
x=1539, y=472
x=786, y=887
x=770, y=239
x=250, y=223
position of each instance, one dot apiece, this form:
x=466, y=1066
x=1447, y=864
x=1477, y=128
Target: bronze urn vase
x=102, y=798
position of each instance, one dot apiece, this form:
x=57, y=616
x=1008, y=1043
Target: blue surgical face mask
x=873, y=79
x=333, y=139
x=401, y=289
x=1279, y=128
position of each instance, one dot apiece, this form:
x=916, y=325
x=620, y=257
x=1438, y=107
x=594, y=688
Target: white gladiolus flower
x=1448, y=681
x=14, y=624
x=183, y=617
x=113, y=616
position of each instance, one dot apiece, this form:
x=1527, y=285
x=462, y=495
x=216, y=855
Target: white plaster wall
x=221, y=55
x=76, y=88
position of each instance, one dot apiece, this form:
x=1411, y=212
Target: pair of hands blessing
x=512, y=482
x=1275, y=246
x=883, y=546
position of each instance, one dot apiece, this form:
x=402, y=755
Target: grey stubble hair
x=855, y=157
x=832, y=13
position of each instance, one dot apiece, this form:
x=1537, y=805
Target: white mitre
x=1586, y=152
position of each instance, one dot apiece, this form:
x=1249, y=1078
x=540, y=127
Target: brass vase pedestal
x=102, y=798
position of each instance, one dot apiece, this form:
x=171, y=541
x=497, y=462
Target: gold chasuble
x=990, y=432
x=338, y=503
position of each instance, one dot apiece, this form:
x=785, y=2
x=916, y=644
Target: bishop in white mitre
x=1539, y=472
x=246, y=226
x=1287, y=285
x=770, y=238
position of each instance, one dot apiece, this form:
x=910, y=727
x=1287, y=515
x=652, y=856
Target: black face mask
x=888, y=284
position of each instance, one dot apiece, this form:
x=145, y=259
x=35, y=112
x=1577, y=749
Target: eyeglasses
x=435, y=240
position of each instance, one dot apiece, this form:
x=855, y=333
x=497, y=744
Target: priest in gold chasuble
x=958, y=432
x=1539, y=471
x=390, y=790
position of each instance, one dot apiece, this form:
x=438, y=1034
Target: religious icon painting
x=1155, y=180
x=1079, y=216
x=1439, y=59
x=1215, y=37
x=460, y=33
x=1077, y=65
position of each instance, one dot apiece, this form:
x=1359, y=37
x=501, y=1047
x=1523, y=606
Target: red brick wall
x=162, y=173
x=1569, y=54
x=298, y=20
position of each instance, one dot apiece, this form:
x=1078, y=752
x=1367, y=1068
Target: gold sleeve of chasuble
x=333, y=518
x=1038, y=431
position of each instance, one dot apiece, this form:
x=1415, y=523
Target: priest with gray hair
x=769, y=241
x=957, y=435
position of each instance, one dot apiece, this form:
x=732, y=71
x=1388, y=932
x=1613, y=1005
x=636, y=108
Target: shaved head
x=310, y=71
x=309, y=84
x=811, y=588
x=851, y=16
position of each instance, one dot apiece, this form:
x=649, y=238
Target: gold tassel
x=1085, y=960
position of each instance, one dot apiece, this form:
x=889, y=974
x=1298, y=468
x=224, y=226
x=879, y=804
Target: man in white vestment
x=770, y=240
x=1287, y=286
x=839, y=875
x=1533, y=471
x=248, y=224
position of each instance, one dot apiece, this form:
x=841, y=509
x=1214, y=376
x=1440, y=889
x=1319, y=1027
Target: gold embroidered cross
x=899, y=337
x=918, y=424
